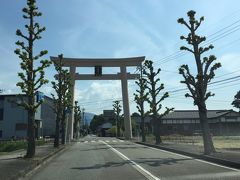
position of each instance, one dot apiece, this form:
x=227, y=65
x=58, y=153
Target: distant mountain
x=88, y=117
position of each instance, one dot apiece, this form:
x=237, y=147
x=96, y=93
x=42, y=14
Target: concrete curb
x=203, y=157
x=38, y=164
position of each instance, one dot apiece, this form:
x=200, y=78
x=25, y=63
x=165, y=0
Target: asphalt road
x=112, y=159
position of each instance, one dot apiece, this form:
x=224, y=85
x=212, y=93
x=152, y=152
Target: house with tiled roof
x=221, y=122
x=186, y=122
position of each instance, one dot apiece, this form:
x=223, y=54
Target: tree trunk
x=56, y=139
x=63, y=127
x=118, y=128
x=31, y=135
x=157, y=132
x=143, y=129
x=207, y=138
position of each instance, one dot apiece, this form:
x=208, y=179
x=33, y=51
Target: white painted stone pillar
x=126, y=109
x=71, y=116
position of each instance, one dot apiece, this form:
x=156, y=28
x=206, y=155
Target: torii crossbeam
x=122, y=63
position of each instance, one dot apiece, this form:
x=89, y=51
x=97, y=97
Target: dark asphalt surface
x=112, y=159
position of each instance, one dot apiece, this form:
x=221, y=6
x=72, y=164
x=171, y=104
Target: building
x=13, y=118
x=186, y=122
x=48, y=118
x=109, y=115
x=147, y=122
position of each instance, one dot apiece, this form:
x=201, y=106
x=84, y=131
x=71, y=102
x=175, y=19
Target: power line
x=213, y=39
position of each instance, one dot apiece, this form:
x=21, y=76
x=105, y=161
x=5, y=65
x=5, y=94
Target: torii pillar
x=124, y=76
x=126, y=109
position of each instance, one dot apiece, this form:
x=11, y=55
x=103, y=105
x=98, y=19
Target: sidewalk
x=224, y=157
x=13, y=165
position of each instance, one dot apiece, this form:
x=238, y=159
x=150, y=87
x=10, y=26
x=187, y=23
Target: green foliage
x=62, y=86
x=154, y=90
x=141, y=95
x=8, y=146
x=236, y=101
x=112, y=131
x=62, y=96
x=77, y=119
x=205, y=72
x=96, y=121
x=155, y=102
x=117, y=109
x=206, y=67
x=31, y=78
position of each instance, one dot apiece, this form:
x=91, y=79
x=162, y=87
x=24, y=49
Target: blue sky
x=108, y=28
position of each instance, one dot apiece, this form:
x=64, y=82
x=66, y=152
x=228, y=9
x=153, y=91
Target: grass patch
x=8, y=146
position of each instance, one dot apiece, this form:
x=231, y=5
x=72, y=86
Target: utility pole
x=83, y=114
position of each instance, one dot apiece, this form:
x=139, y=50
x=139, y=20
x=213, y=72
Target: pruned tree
x=206, y=67
x=32, y=78
x=61, y=98
x=77, y=120
x=57, y=99
x=117, y=109
x=153, y=99
x=236, y=101
x=66, y=103
x=140, y=97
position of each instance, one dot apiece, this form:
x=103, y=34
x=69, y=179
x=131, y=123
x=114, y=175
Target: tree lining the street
x=32, y=77
x=61, y=99
x=140, y=97
x=77, y=120
x=117, y=108
x=197, y=85
x=154, y=101
x=236, y=101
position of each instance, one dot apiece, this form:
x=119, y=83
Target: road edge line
x=197, y=158
x=136, y=166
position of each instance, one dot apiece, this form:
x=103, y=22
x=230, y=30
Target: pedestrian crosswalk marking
x=99, y=141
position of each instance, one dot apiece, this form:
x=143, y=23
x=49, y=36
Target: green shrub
x=8, y=146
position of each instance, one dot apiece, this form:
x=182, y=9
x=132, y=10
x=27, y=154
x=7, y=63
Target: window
x=0, y=133
x=231, y=119
x=186, y=121
x=1, y=114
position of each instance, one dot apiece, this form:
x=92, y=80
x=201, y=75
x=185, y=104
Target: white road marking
x=93, y=141
x=85, y=141
x=188, y=157
x=114, y=141
x=121, y=141
x=139, y=168
x=107, y=141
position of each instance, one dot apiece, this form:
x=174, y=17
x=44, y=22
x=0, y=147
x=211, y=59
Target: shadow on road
x=117, y=147
x=149, y=161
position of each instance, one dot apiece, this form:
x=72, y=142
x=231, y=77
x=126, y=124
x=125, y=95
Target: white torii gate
x=123, y=63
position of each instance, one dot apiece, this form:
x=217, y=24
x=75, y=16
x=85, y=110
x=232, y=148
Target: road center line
x=139, y=168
